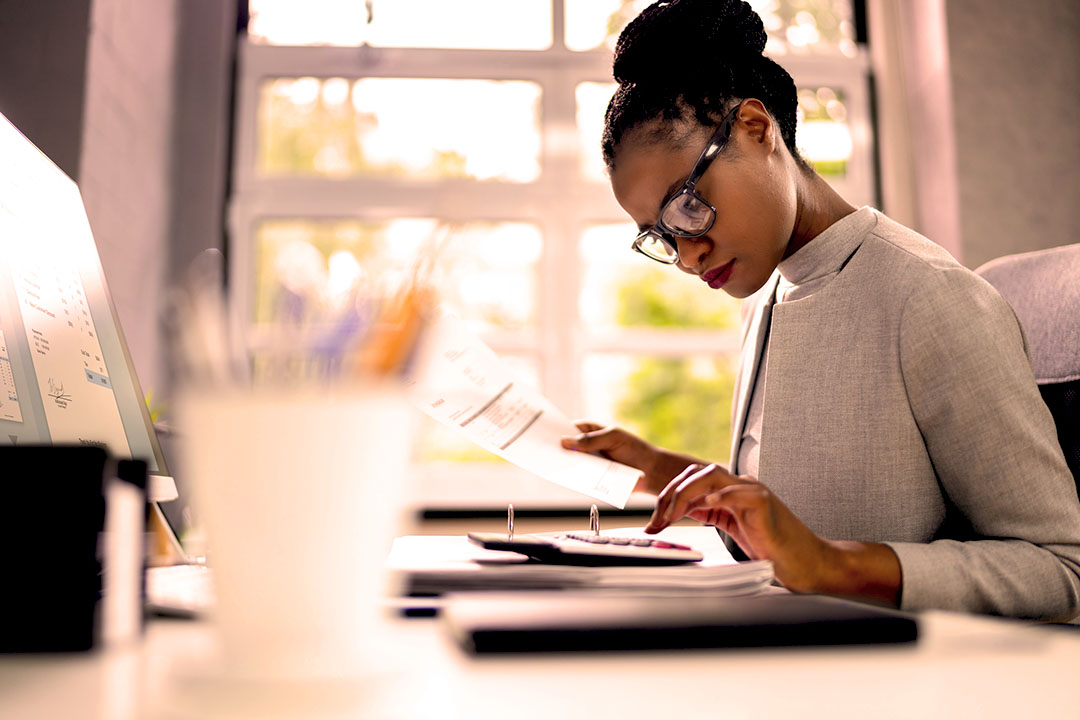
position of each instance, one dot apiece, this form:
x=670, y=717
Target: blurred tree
x=300, y=133
x=679, y=403
x=792, y=25
x=655, y=296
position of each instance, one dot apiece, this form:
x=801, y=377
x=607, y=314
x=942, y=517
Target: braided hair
x=682, y=59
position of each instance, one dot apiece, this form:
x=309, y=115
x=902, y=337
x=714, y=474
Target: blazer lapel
x=753, y=343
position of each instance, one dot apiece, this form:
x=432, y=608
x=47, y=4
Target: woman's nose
x=692, y=251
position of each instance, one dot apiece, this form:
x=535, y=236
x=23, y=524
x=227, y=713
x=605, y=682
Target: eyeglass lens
x=685, y=214
x=656, y=248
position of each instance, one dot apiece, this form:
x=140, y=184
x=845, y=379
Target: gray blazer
x=900, y=407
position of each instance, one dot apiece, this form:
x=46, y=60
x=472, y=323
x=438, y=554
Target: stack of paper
x=438, y=564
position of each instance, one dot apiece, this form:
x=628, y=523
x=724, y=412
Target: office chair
x=1044, y=289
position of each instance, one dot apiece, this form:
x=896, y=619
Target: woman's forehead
x=646, y=174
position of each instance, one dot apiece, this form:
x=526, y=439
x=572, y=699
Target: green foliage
x=682, y=404
x=677, y=408
x=663, y=297
x=314, y=138
x=830, y=168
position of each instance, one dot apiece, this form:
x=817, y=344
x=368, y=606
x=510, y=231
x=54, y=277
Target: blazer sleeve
x=994, y=447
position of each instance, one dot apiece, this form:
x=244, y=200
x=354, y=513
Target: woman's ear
x=756, y=126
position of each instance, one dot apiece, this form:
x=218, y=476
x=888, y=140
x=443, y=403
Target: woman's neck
x=818, y=207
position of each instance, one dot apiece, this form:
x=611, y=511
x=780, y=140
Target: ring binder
x=594, y=521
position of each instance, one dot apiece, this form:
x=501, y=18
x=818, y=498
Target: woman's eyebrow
x=672, y=189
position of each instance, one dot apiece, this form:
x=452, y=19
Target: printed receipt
x=460, y=382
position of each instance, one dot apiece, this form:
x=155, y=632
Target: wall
x=915, y=129
x=1016, y=108
x=131, y=99
x=126, y=162
x=43, y=56
x=206, y=40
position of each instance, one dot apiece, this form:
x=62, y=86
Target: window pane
x=682, y=404
x=823, y=135
x=624, y=288
x=592, y=101
x=414, y=128
x=796, y=26
x=807, y=26
x=591, y=24
x=484, y=24
x=319, y=271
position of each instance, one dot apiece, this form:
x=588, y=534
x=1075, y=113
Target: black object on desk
x=52, y=508
x=552, y=622
x=52, y=515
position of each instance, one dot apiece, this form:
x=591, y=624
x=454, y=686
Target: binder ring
x=594, y=520
x=510, y=522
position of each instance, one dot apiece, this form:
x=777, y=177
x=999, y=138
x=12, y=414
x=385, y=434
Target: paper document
x=460, y=382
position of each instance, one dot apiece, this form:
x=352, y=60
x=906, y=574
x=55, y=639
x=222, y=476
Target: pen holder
x=300, y=493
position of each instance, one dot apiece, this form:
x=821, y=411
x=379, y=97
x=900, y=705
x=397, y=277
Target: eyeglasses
x=685, y=214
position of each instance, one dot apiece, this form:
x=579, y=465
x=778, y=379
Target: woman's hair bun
x=687, y=34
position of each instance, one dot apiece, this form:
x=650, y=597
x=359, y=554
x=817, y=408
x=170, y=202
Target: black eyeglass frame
x=661, y=231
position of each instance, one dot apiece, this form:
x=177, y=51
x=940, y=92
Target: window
x=366, y=129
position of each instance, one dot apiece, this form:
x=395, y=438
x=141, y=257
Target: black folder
x=556, y=622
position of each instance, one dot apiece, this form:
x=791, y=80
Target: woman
x=889, y=441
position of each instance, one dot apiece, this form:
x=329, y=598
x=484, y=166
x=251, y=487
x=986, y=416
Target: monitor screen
x=65, y=372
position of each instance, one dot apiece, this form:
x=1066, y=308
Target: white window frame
x=561, y=202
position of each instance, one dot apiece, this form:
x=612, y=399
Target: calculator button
x=599, y=539
x=620, y=541
x=641, y=542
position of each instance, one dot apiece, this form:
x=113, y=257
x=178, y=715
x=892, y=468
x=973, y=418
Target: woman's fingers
x=593, y=437
x=735, y=509
x=612, y=443
x=664, y=500
x=684, y=490
x=587, y=426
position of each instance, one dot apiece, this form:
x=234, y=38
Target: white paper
x=460, y=382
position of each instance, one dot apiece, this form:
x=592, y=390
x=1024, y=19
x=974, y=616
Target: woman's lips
x=718, y=276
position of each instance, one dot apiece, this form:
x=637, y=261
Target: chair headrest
x=1043, y=288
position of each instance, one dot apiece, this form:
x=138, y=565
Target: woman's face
x=751, y=184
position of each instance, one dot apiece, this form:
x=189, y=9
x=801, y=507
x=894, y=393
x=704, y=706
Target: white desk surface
x=962, y=666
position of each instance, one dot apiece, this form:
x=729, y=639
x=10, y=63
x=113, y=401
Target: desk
x=963, y=666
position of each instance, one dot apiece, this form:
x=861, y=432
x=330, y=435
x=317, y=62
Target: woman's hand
x=657, y=466
x=766, y=529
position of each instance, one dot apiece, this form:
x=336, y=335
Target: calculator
x=589, y=549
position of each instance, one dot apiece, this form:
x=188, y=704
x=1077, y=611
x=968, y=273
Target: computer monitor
x=66, y=375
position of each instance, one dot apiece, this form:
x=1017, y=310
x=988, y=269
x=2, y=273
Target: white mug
x=301, y=493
